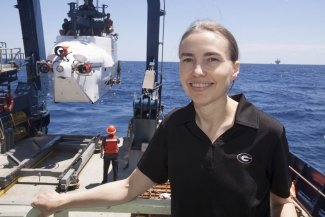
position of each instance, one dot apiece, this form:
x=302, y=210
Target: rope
x=2, y=135
x=29, y=121
x=13, y=120
x=39, y=131
x=2, y=131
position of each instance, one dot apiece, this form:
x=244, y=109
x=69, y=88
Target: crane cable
x=162, y=57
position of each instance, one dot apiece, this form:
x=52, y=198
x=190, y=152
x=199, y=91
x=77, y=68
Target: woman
x=223, y=157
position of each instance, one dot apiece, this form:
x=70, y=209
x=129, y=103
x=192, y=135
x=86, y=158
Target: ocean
x=293, y=94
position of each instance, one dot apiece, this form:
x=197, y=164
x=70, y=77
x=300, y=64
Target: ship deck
x=15, y=199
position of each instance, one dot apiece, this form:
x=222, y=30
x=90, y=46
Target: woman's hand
x=48, y=203
x=110, y=194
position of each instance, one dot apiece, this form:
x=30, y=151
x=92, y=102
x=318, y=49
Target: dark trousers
x=107, y=162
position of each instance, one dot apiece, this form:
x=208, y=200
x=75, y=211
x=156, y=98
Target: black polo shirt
x=230, y=177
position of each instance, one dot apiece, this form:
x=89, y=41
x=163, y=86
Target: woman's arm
x=282, y=207
x=110, y=194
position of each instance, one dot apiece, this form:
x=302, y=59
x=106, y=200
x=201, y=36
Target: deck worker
x=108, y=25
x=221, y=155
x=66, y=27
x=109, y=152
x=88, y=5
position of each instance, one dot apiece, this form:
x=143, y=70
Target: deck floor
x=18, y=198
x=28, y=188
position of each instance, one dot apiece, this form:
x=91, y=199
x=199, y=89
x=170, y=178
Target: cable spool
x=45, y=67
x=19, y=132
x=19, y=116
x=84, y=68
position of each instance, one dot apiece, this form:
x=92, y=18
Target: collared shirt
x=231, y=176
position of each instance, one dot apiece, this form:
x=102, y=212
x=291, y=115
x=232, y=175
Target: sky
x=291, y=30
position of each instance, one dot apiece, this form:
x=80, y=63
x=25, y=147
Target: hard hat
x=111, y=129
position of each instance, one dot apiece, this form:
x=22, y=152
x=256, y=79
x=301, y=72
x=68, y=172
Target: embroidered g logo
x=244, y=158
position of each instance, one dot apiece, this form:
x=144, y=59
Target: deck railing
x=309, y=185
x=11, y=58
x=137, y=206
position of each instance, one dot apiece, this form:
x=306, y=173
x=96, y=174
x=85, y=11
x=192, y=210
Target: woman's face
x=205, y=67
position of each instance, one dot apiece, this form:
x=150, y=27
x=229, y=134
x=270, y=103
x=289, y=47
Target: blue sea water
x=293, y=94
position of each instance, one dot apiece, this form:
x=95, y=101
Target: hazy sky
x=291, y=30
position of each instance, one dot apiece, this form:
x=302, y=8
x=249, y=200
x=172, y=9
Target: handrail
x=12, y=59
x=310, y=184
x=137, y=206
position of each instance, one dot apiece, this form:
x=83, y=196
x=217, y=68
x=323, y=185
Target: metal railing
x=11, y=58
x=309, y=183
x=137, y=206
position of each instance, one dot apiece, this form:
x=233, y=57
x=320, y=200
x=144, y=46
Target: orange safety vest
x=111, y=145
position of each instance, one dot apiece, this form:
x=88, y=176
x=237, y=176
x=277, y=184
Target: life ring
x=61, y=51
x=6, y=107
x=84, y=68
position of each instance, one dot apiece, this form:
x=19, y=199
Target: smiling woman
x=232, y=153
x=222, y=156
